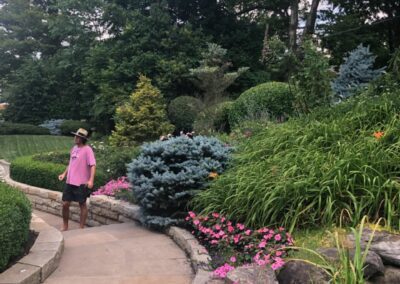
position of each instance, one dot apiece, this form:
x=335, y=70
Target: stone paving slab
x=119, y=254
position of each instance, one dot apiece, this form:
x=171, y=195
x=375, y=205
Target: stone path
x=119, y=253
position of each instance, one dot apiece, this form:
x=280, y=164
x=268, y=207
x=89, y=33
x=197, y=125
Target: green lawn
x=13, y=146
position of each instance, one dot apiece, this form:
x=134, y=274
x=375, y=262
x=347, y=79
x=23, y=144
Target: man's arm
x=62, y=176
x=92, y=174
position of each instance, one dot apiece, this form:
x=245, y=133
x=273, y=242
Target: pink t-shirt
x=80, y=162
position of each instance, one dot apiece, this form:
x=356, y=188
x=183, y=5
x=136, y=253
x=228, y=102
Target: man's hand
x=61, y=177
x=90, y=184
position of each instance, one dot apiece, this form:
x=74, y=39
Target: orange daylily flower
x=378, y=134
x=213, y=175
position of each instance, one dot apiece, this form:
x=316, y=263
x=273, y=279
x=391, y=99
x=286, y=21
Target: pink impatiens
x=113, y=187
x=238, y=245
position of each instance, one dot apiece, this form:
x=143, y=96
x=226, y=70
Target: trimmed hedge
x=273, y=99
x=182, y=112
x=214, y=119
x=8, y=128
x=69, y=126
x=44, y=174
x=15, y=217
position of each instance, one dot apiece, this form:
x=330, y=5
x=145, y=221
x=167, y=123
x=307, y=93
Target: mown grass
x=13, y=146
x=317, y=170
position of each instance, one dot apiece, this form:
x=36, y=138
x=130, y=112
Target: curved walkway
x=117, y=254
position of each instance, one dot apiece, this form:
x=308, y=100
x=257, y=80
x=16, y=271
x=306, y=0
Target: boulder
x=385, y=244
x=391, y=276
x=300, y=272
x=373, y=263
x=252, y=274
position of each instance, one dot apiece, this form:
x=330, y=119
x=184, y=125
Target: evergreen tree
x=356, y=72
x=212, y=76
x=142, y=118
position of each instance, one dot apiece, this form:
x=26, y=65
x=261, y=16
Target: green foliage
x=69, y=126
x=213, y=119
x=213, y=76
x=167, y=174
x=183, y=111
x=142, y=118
x=306, y=172
x=273, y=99
x=15, y=217
x=38, y=172
x=8, y=128
x=312, y=81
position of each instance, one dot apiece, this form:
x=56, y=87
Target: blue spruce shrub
x=167, y=174
x=53, y=125
x=356, y=72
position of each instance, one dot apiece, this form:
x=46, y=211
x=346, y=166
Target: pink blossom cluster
x=223, y=270
x=113, y=187
x=239, y=244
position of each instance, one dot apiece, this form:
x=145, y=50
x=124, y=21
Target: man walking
x=80, y=177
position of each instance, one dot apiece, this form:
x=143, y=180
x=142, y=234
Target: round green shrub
x=214, y=119
x=15, y=217
x=183, y=111
x=8, y=128
x=273, y=99
x=69, y=126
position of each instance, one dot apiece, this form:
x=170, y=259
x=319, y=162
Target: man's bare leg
x=84, y=213
x=65, y=214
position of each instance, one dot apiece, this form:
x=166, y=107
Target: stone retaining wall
x=103, y=210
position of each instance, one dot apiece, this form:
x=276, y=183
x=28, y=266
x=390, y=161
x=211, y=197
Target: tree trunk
x=264, y=52
x=309, y=28
x=294, y=20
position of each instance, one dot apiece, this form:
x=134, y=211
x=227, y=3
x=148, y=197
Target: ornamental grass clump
x=310, y=171
x=167, y=174
x=232, y=245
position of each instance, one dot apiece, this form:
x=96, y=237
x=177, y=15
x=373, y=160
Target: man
x=80, y=177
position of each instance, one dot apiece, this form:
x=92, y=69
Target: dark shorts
x=74, y=193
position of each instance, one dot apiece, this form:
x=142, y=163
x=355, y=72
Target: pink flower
x=240, y=226
x=262, y=244
x=278, y=263
x=232, y=259
x=213, y=242
x=196, y=222
x=217, y=227
x=248, y=232
x=278, y=253
x=223, y=219
x=278, y=237
x=236, y=239
x=215, y=215
x=230, y=229
x=192, y=214
x=222, y=271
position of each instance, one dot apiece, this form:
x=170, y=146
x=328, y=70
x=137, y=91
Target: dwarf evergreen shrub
x=213, y=119
x=272, y=98
x=182, y=112
x=167, y=174
x=142, y=118
x=15, y=217
x=356, y=72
